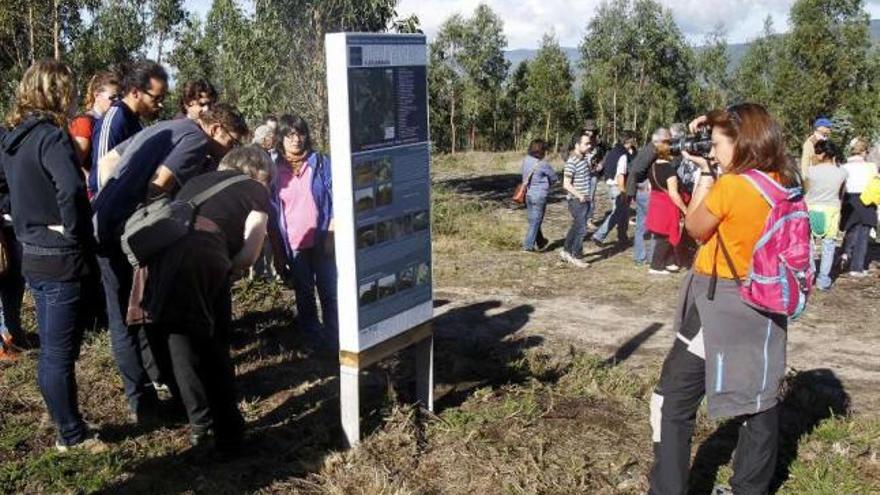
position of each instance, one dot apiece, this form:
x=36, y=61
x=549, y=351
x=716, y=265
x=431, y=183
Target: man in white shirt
x=617, y=162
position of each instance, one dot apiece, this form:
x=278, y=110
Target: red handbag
x=519, y=194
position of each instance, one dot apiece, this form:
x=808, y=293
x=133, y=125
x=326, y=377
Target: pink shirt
x=298, y=205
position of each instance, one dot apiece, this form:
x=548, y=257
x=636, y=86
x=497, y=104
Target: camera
x=698, y=144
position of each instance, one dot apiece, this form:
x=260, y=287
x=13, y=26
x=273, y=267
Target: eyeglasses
x=234, y=142
x=156, y=98
x=114, y=97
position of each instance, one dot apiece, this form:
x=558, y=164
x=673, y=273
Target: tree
x=517, y=104
x=712, y=61
x=447, y=71
x=753, y=78
x=168, y=16
x=637, y=66
x=827, y=67
x=549, y=91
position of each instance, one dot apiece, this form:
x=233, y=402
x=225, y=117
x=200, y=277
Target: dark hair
x=627, y=135
x=193, y=90
x=825, y=148
x=287, y=124
x=228, y=117
x=138, y=75
x=538, y=149
x=758, y=142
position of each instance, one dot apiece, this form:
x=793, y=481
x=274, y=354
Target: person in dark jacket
x=302, y=230
x=154, y=162
x=188, y=290
x=50, y=213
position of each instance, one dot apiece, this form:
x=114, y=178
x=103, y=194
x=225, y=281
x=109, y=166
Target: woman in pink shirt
x=302, y=234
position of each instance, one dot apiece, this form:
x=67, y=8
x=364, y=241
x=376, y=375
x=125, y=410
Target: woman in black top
x=665, y=210
x=188, y=291
x=51, y=219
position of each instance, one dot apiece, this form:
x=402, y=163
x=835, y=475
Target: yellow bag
x=871, y=194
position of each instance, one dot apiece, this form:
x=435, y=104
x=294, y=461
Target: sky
x=525, y=21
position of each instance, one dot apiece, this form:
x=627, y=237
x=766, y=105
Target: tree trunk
x=452, y=121
x=473, y=136
x=56, y=30
x=556, y=144
x=159, y=45
x=31, y=30
x=547, y=127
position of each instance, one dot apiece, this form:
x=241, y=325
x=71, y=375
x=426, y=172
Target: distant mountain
x=736, y=50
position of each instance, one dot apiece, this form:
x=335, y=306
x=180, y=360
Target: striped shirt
x=577, y=169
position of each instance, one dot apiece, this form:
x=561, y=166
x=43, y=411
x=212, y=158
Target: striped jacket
x=117, y=125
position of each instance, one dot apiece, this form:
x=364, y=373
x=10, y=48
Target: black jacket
x=46, y=186
x=609, y=165
x=638, y=168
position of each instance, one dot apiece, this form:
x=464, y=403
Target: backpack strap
x=770, y=190
x=203, y=196
x=714, y=281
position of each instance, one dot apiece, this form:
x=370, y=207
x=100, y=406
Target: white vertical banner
x=380, y=149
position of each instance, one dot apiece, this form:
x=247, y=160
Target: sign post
x=378, y=108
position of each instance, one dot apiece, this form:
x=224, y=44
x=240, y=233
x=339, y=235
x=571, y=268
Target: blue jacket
x=322, y=193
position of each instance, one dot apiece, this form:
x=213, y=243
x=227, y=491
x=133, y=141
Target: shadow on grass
x=296, y=432
x=632, y=344
x=809, y=397
x=496, y=188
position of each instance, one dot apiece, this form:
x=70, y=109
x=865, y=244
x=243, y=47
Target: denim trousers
x=126, y=343
x=823, y=272
x=574, y=240
x=593, y=186
x=60, y=321
x=535, y=208
x=314, y=268
x=642, y=248
x=618, y=217
x=855, y=245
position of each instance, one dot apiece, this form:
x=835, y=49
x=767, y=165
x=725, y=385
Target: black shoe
x=542, y=243
x=598, y=243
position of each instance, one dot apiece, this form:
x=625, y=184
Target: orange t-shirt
x=743, y=213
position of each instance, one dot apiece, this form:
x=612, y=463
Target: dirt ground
x=542, y=379
x=617, y=309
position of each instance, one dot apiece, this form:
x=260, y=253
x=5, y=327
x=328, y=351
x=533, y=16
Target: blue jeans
x=617, y=218
x=592, y=184
x=60, y=322
x=574, y=240
x=823, y=277
x=855, y=244
x=12, y=290
x=116, y=275
x=535, y=208
x=313, y=268
x=643, y=249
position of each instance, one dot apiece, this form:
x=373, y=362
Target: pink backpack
x=781, y=271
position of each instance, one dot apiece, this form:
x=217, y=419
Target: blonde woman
x=51, y=218
x=858, y=218
x=102, y=91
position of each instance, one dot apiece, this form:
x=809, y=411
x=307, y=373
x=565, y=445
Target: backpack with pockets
x=781, y=271
x=157, y=225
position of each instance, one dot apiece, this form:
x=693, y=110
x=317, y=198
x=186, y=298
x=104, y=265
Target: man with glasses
x=152, y=163
x=821, y=131
x=143, y=91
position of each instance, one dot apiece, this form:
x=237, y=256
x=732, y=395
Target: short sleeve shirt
x=578, y=170
x=743, y=213
x=659, y=174
x=230, y=207
x=179, y=145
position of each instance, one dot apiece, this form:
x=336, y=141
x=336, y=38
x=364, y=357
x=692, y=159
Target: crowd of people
x=729, y=209
x=69, y=185
x=649, y=189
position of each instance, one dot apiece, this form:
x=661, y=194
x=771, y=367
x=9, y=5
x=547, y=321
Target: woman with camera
x=725, y=349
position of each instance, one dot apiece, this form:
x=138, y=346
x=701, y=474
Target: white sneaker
x=672, y=268
x=565, y=256
x=658, y=272
x=859, y=274
x=93, y=445
x=578, y=263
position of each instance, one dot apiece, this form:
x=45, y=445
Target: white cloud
x=525, y=21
